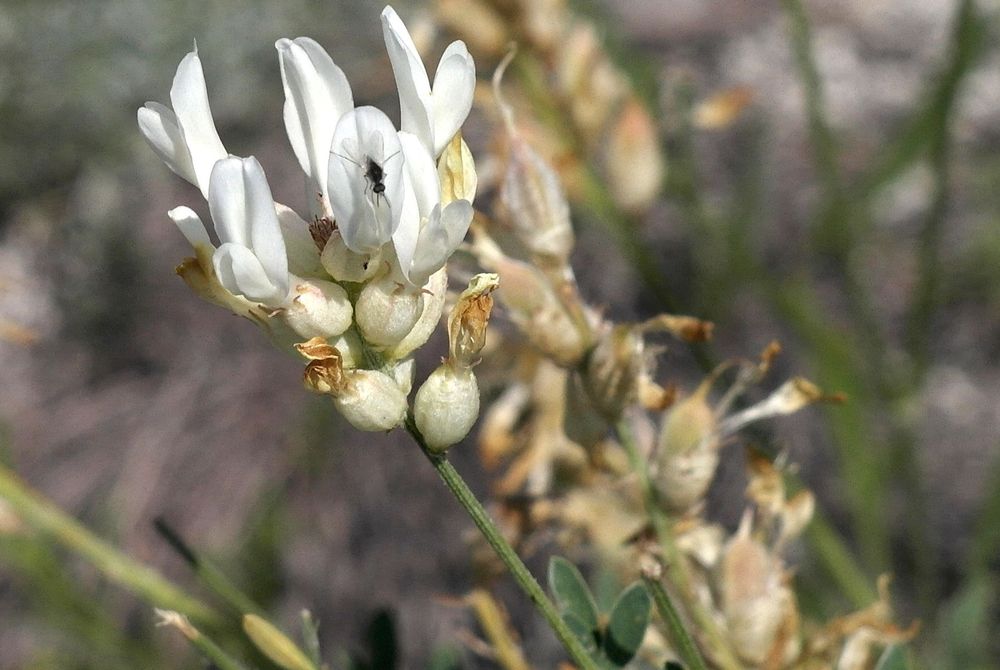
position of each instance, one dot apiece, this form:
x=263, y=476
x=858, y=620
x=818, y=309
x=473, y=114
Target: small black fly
x=373, y=172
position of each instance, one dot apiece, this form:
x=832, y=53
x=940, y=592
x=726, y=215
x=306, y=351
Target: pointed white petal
x=317, y=94
x=227, y=201
x=158, y=124
x=241, y=273
x=451, y=101
x=266, y=241
x=411, y=78
x=422, y=172
x=189, y=98
x=191, y=227
x=444, y=231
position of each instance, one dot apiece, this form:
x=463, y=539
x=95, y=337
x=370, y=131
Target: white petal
x=191, y=227
x=241, y=273
x=158, y=124
x=444, y=231
x=303, y=254
x=411, y=78
x=317, y=94
x=423, y=174
x=266, y=241
x=405, y=237
x=366, y=218
x=451, y=101
x=189, y=98
x=228, y=203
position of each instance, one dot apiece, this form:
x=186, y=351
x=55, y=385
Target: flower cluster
x=362, y=278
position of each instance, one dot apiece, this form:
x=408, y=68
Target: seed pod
x=633, y=160
x=446, y=406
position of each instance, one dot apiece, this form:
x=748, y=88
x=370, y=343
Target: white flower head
x=251, y=260
x=317, y=95
x=367, y=180
x=424, y=243
x=432, y=114
x=185, y=137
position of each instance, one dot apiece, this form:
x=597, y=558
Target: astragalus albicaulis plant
x=354, y=280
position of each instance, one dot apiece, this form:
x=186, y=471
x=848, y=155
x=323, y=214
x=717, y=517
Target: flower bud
x=611, y=376
x=534, y=204
x=687, y=453
x=274, y=644
x=633, y=160
x=345, y=265
x=386, y=311
x=319, y=309
x=432, y=300
x=533, y=304
x=370, y=400
x=754, y=600
x=446, y=406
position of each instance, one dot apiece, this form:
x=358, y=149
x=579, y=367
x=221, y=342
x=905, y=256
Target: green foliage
x=613, y=638
x=894, y=658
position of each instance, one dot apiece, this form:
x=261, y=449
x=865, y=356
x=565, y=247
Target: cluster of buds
x=359, y=283
x=604, y=114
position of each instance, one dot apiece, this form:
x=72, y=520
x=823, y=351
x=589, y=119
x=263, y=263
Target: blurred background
x=847, y=205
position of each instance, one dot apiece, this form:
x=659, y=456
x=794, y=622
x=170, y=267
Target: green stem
x=149, y=584
x=676, y=564
x=453, y=480
x=210, y=574
x=685, y=645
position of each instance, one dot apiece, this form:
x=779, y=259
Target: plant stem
x=675, y=563
x=149, y=584
x=456, y=484
x=685, y=645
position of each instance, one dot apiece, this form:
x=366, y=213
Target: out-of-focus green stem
x=839, y=562
x=675, y=563
x=456, y=484
x=684, y=644
x=147, y=583
x=209, y=573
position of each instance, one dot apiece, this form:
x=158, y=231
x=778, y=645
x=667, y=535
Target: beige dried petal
x=469, y=318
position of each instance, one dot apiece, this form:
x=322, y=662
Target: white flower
x=185, y=137
x=317, y=95
x=367, y=182
x=433, y=115
x=422, y=249
x=251, y=260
